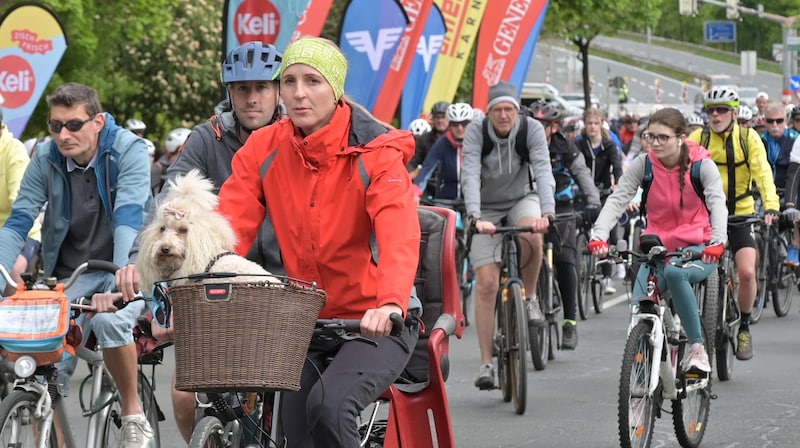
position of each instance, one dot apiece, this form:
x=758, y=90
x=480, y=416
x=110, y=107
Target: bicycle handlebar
x=340, y=326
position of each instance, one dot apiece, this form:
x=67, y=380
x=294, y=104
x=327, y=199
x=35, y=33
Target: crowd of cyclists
x=509, y=164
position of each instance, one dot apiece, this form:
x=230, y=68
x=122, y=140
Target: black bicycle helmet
x=795, y=112
x=439, y=107
x=251, y=61
x=544, y=111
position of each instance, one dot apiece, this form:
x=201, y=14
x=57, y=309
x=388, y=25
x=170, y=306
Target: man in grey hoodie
x=502, y=185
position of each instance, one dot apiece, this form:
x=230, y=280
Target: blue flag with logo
x=371, y=32
x=419, y=78
x=270, y=22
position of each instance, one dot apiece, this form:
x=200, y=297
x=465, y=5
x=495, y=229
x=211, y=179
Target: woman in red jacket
x=334, y=183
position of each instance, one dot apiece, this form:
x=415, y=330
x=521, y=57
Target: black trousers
x=339, y=380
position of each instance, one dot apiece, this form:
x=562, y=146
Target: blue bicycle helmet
x=251, y=61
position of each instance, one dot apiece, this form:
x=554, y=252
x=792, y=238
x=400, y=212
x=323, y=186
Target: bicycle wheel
x=208, y=432
x=539, y=337
x=597, y=295
x=710, y=311
x=501, y=349
x=636, y=407
x=762, y=276
x=690, y=414
x=518, y=326
x=584, y=280
x=462, y=268
x=725, y=341
x=19, y=427
x=782, y=285
x=150, y=406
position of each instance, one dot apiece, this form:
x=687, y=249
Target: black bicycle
x=776, y=279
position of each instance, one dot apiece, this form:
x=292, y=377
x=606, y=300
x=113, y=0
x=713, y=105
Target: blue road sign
x=720, y=32
x=794, y=83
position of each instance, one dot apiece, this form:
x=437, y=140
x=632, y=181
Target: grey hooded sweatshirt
x=500, y=180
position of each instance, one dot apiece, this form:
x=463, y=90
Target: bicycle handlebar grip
x=397, y=324
x=691, y=255
x=102, y=265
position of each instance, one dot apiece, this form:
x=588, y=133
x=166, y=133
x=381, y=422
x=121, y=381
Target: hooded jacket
x=444, y=156
x=123, y=183
x=698, y=222
x=329, y=196
x=501, y=179
x=13, y=162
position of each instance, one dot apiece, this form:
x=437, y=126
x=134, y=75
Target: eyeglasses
x=720, y=110
x=161, y=304
x=71, y=125
x=775, y=120
x=660, y=138
x=462, y=124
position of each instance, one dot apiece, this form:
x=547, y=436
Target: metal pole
x=787, y=62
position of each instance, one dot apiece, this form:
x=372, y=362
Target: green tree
x=583, y=20
x=156, y=60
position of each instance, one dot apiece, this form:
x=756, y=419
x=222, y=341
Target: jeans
x=110, y=329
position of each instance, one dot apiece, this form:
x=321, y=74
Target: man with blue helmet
x=252, y=103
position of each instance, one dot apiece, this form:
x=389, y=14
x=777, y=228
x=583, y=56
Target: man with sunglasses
x=95, y=177
x=742, y=160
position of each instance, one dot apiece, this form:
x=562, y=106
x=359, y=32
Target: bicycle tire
x=782, y=286
x=501, y=350
x=690, y=414
x=518, y=319
x=539, y=337
x=636, y=409
x=150, y=406
x=710, y=311
x=462, y=268
x=725, y=341
x=582, y=271
x=597, y=296
x=15, y=403
x=762, y=277
x=208, y=433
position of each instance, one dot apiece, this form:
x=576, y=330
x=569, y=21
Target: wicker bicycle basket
x=242, y=336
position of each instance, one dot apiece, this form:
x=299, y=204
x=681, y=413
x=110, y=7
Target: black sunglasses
x=774, y=120
x=161, y=304
x=71, y=125
x=462, y=124
x=718, y=109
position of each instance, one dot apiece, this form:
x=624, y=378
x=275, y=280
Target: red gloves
x=713, y=252
x=598, y=246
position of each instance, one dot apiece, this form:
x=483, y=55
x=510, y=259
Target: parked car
x=532, y=91
x=747, y=95
x=576, y=100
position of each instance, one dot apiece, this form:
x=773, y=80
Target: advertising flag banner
x=32, y=42
x=313, y=19
x=371, y=32
x=462, y=19
x=504, y=34
x=386, y=104
x=520, y=71
x=271, y=22
x=421, y=73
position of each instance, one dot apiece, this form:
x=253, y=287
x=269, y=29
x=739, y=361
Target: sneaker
x=136, y=432
x=744, y=348
x=621, y=272
x=535, y=316
x=697, y=360
x=792, y=256
x=485, y=379
x=608, y=287
x=569, y=338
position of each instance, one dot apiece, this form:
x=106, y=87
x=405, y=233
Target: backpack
x=520, y=144
x=647, y=180
x=566, y=187
x=705, y=138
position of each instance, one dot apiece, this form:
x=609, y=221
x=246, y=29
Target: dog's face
x=168, y=249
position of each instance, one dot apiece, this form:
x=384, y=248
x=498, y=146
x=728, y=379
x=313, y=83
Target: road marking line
x=616, y=300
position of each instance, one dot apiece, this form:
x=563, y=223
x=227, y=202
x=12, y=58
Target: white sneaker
x=621, y=272
x=608, y=287
x=136, y=432
x=697, y=359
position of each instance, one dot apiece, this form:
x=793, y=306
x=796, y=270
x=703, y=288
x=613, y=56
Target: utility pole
x=689, y=7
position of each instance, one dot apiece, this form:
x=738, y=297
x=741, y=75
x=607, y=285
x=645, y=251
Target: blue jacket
x=444, y=155
x=778, y=151
x=123, y=181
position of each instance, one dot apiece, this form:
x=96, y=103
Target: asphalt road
x=572, y=403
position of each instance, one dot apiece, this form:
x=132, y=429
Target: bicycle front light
x=24, y=366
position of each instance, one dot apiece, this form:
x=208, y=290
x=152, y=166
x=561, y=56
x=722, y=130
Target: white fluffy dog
x=188, y=237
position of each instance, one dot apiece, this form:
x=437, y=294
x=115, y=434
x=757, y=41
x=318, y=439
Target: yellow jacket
x=13, y=162
x=757, y=168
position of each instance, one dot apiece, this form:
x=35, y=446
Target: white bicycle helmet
x=477, y=114
x=175, y=139
x=135, y=125
x=721, y=95
x=694, y=120
x=745, y=114
x=419, y=126
x=459, y=112
x=151, y=147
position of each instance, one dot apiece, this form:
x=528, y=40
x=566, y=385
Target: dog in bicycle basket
x=187, y=236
